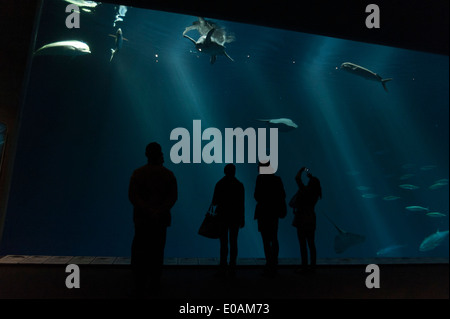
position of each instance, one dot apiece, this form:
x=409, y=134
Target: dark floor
x=198, y=282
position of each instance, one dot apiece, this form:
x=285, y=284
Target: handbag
x=211, y=226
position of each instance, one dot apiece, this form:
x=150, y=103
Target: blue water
x=86, y=122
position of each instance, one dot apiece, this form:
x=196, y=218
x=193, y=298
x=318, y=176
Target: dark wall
x=17, y=23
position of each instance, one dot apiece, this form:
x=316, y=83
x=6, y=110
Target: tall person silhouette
x=271, y=205
x=153, y=192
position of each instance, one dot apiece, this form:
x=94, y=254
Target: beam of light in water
x=340, y=127
x=195, y=99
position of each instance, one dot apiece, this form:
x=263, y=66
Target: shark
x=207, y=45
x=344, y=239
x=433, y=240
x=118, y=43
x=283, y=124
x=69, y=47
x=365, y=73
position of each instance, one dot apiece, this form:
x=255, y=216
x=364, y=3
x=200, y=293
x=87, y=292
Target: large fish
x=434, y=240
x=417, y=209
x=438, y=185
x=344, y=239
x=283, y=124
x=118, y=43
x=365, y=73
x=70, y=47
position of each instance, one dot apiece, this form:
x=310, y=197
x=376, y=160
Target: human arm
x=298, y=177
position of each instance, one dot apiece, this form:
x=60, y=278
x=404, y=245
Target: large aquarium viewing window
x=371, y=122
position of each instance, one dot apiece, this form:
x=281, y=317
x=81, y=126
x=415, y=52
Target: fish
x=283, y=124
x=363, y=188
x=408, y=186
x=369, y=195
x=70, y=48
x=365, y=73
x=391, y=197
x=417, y=209
x=389, y=250
x=208, y=45
x=435, y=214
x=118, y=43
x=433, y=240
x=438, y=185
x=344, y=239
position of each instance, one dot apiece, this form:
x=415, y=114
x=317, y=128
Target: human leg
x=303, y=247
x=312, y=247
x=234, y=231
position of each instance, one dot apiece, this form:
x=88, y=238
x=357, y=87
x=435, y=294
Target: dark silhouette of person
x=305, y=216
x=271, y=205
x=153, y=192
x=229, y=201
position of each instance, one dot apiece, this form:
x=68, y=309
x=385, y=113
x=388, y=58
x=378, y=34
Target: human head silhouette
x=154, y=153
x=230, y=170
